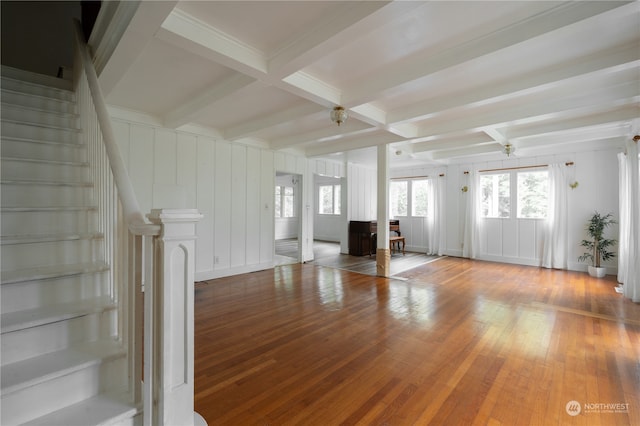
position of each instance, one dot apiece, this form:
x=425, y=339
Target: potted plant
x=598, y=246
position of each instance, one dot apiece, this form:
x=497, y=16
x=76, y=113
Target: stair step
x=30, y=372
x=44, y=238
x=52, y=253
x=38, y=149
x=38, y=116
x=30, y=82
x=47, y=221
x=15, y=168
x=37, y=101
x=38, y=193
x=48, y=272
x=99, y=410
x=21, y=320
x=22, y=129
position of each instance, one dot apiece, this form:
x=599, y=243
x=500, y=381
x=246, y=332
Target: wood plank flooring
x=456, y=342
x=328, y=254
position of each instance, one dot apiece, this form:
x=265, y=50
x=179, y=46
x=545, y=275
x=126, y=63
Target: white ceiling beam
x=613, y=60
x=347, y=21
x=602, y=98
x=330, y=132
x=130, y=27
x=466, y=151
x=613, y=116
x=194, y=108
x=188, y=32
x=460, y=141
x=265, y=122
x=369, y=140
x=554, y=19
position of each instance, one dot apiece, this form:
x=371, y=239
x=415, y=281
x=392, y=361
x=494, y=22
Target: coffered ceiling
x=439, y=82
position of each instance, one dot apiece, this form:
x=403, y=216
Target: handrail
x=132, y=214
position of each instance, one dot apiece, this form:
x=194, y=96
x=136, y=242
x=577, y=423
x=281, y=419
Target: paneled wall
x=233, y=187
x=520, y=240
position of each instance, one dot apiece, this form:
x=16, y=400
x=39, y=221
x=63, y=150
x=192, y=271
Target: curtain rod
x=569, y=163
x=413, y=177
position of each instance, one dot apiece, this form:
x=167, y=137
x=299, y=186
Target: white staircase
x=62, y=359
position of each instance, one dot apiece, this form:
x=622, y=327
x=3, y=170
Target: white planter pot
x=597, y=272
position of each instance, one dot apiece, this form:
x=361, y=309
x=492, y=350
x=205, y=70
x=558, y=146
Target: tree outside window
x=398, y=198
x=533, y=194
x=329, y=199
x=419, y=197
x=284, y=202
x=496, y=195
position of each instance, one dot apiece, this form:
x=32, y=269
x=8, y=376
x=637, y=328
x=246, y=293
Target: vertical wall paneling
x=186, y=173
x=141, y=143
x=267, y=213
x=205, y=201
x=238, y=205
x=253, y=206
x=222, y=208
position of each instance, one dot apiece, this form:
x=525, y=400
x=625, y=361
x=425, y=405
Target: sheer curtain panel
x=556, y=249
x=435, y=216
x=629, y=242
x=471, y=241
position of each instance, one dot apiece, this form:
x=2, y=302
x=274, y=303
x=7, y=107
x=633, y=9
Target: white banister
x=132, y=214
x=151, y=267
x=173, y=317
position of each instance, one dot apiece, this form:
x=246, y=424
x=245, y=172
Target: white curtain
x=435, y=216
x=556, y=234
x=629, y=241
x=471, y=240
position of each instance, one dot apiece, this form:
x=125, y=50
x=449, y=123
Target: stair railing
x=151, y=266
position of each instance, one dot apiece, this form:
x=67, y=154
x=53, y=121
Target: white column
x=173, y=318
x=383, y=253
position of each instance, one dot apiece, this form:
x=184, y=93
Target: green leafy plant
x=598, y=247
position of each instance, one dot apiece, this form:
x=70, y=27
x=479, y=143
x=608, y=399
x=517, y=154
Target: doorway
x=287, y=223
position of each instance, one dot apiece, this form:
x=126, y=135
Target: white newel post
x=173, y=319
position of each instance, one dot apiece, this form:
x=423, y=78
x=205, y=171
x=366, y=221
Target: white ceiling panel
x=439, y=81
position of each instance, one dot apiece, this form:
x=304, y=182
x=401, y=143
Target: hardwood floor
x=328, y=254
x=458, y=342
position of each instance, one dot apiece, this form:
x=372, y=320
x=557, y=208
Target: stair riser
x=35, y=341
x=19, y=195
x=43, y=398
x=43, y=151
x=46, y=223
x=38, y=117
x=30, y=101
x=22, y=256
x=21, y=170
x=36, y=89
x=39, y=293
x=26, y=131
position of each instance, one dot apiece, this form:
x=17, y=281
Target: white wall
x=233, y=187
x=231, y=184
x=520, y=240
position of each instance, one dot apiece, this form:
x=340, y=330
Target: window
x=496, y=195
x=284, y=201
x=329, y=199
x=533, y=194
x=530, y=189
x=419, y=194
x=398, y=198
